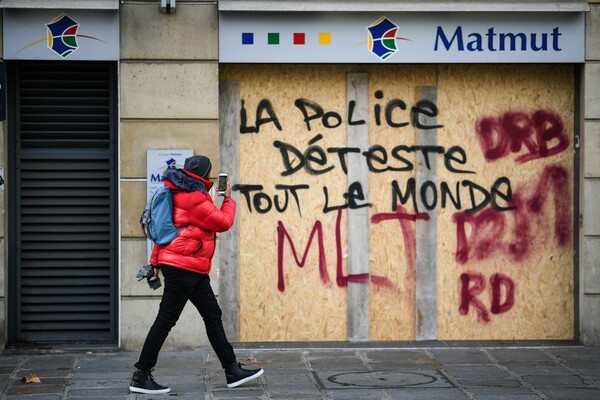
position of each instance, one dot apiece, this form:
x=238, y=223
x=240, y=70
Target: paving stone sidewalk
x=382, y=371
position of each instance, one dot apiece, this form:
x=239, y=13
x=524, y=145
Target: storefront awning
x=401, y=6
x=62, y=4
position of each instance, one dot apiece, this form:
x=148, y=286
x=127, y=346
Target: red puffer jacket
x=193, y=209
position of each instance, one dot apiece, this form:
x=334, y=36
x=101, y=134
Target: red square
x=299, y=38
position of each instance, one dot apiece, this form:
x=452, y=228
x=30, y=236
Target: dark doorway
x=62, y=202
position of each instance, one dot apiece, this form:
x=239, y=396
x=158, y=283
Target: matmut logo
x=62, y=35
x=382, y=38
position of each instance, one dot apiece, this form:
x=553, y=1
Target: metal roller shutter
x=62, y=253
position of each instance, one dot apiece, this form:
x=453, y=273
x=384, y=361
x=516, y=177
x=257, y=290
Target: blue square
x=247, y=38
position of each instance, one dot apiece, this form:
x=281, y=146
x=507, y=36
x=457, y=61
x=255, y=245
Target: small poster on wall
x=157, y=162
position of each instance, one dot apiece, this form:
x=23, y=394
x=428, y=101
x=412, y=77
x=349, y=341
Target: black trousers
x=181, y=286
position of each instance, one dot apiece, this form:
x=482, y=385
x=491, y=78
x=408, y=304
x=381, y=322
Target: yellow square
x=324, y=38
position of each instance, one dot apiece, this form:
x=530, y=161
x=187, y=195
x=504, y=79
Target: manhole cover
x=382, y=379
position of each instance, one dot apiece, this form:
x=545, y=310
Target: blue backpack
x=157, y=218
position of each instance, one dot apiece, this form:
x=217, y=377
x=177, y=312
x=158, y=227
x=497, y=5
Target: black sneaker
x=236, y=375
x=143, y=382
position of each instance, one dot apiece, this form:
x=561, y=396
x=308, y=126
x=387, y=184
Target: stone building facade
x=166, y=94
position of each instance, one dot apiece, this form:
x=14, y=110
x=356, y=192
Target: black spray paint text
x=393, y=114
x=316, y=159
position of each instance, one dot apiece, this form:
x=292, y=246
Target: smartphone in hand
x=222, y=183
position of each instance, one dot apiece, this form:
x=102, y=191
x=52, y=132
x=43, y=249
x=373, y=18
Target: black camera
x=148, y=272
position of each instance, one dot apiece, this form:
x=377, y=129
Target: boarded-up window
x=483, y=164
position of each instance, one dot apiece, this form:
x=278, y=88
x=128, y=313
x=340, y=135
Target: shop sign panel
x=69, y=35
x=310, y=37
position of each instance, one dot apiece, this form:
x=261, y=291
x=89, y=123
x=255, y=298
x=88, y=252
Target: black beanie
x=198, y=165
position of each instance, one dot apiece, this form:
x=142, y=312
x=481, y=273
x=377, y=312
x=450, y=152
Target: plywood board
x=521, y=258
x=392, y=244
x=280, y=299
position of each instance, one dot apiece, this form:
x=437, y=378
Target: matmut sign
x=307, y=37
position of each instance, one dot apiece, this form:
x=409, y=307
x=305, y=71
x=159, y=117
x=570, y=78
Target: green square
x=273, y=38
